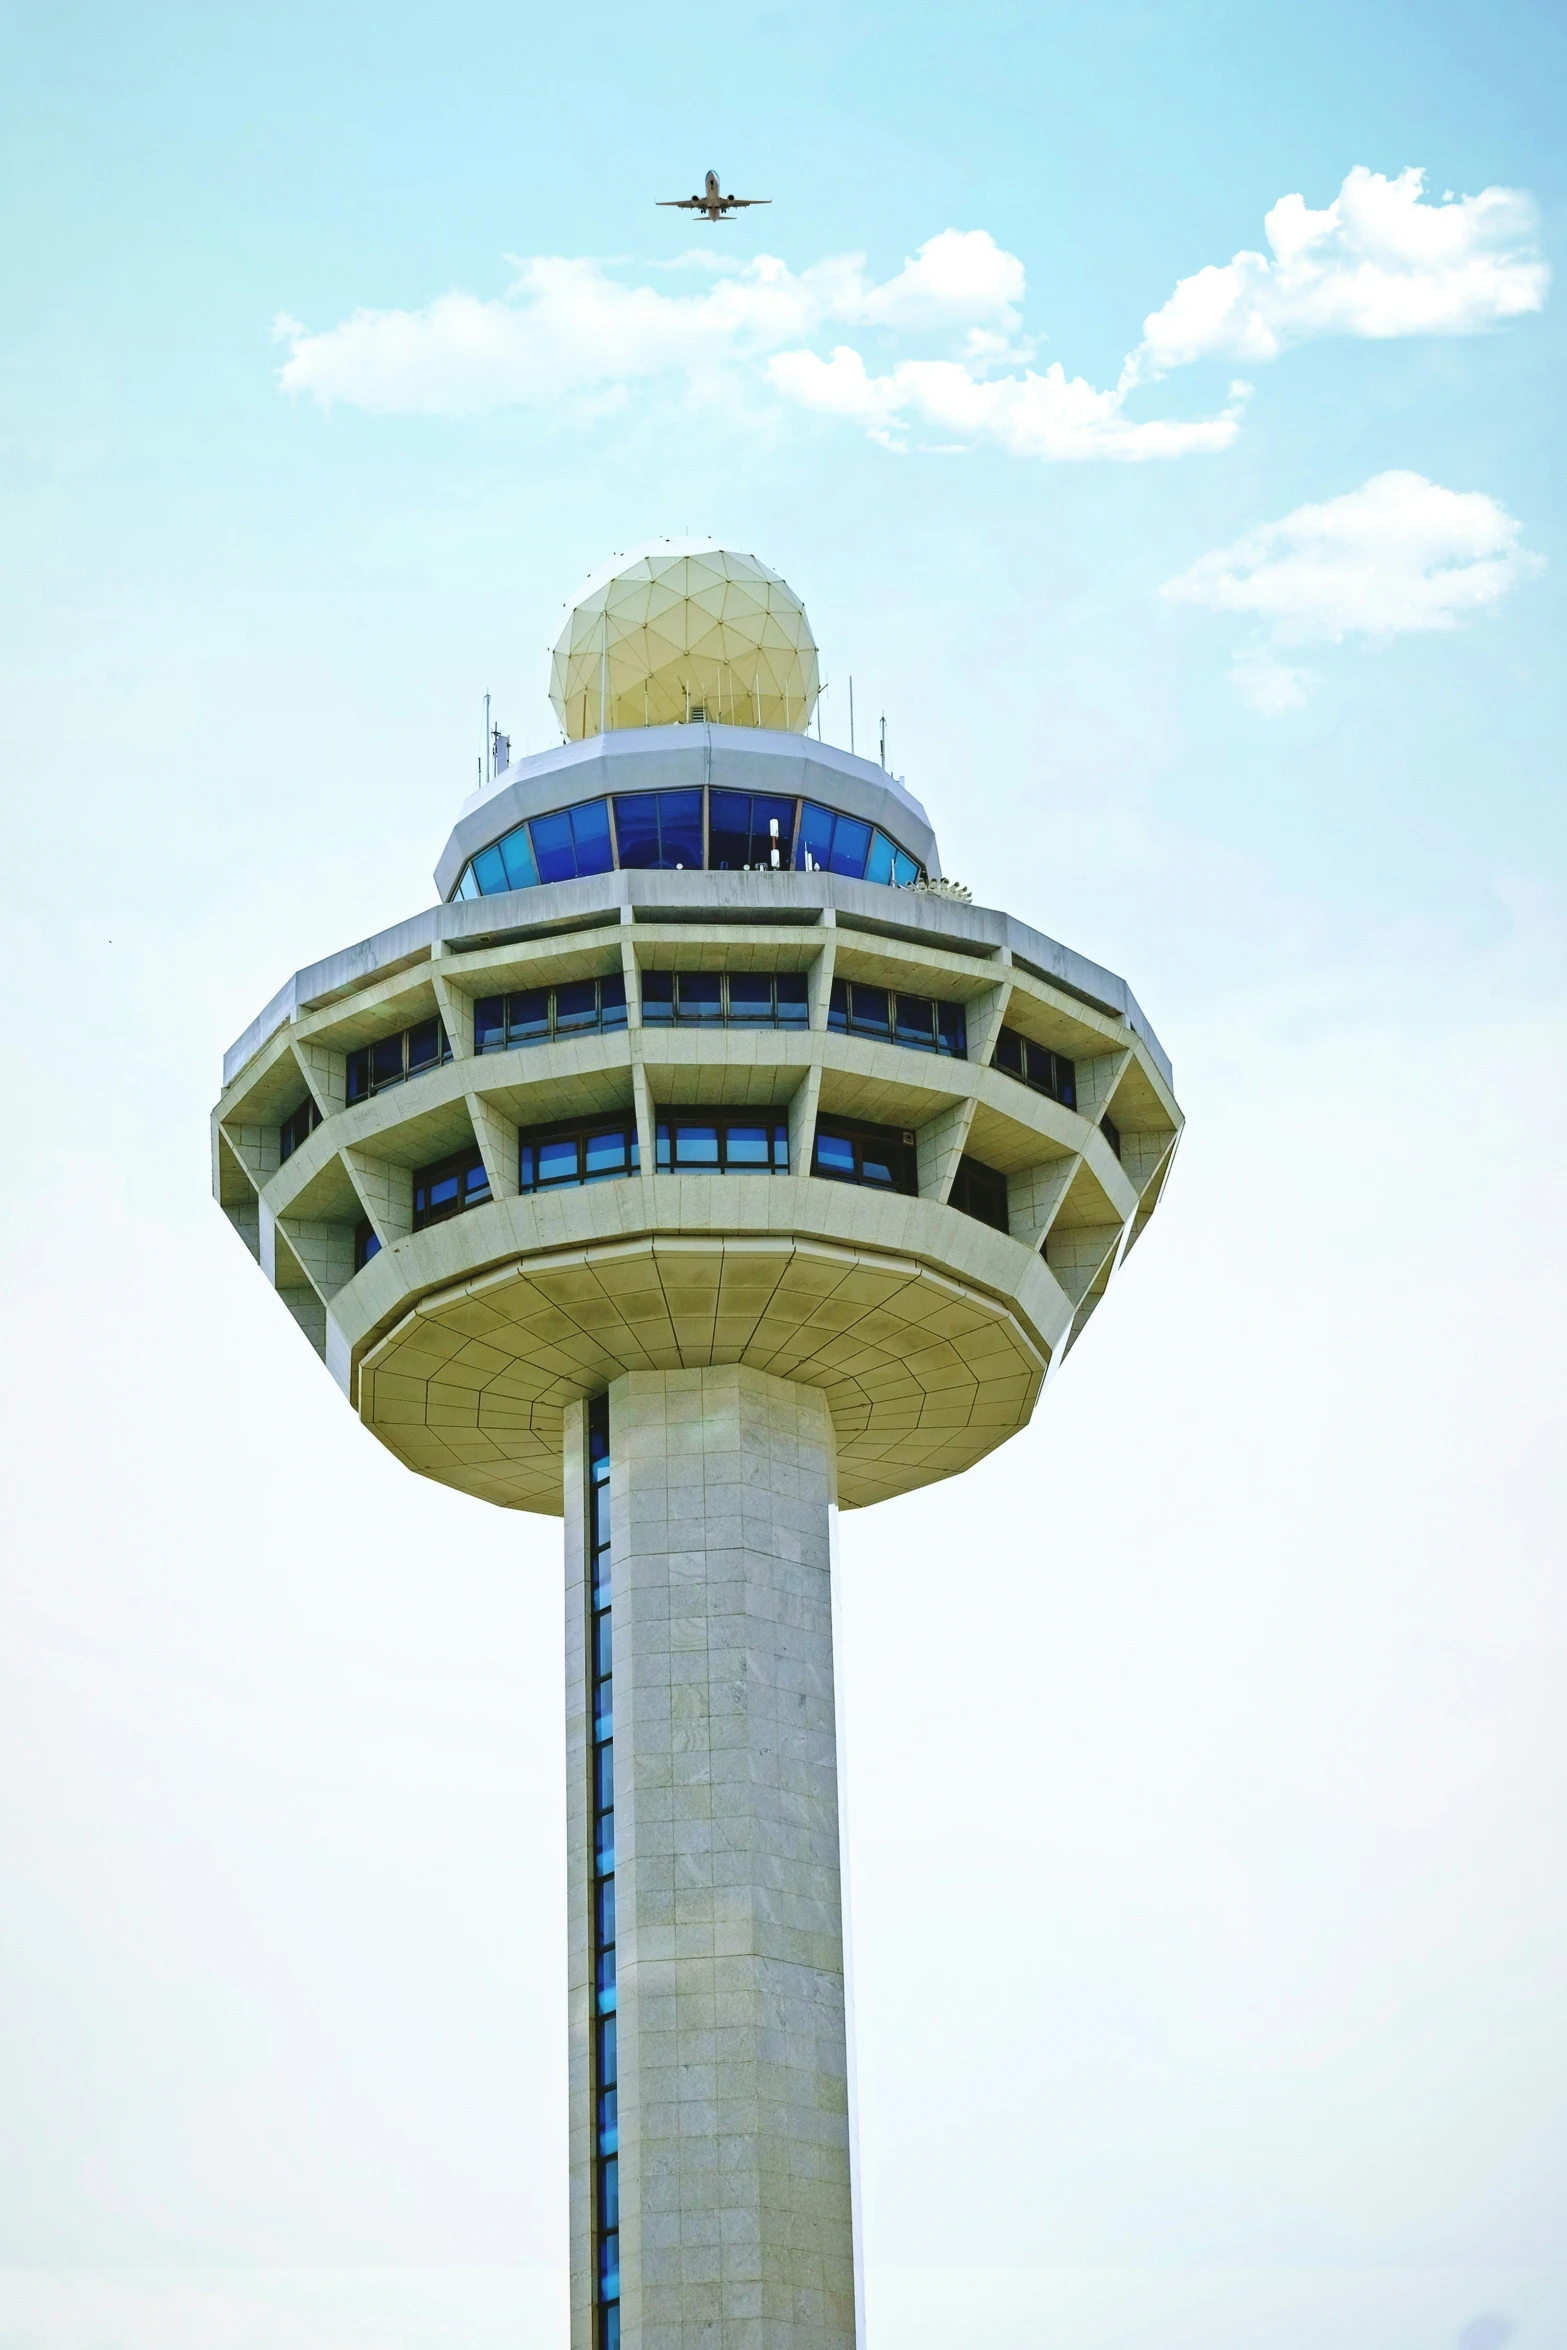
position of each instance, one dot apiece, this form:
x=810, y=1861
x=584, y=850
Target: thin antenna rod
x=485, y=765
x=851, y=713
x=884, y=742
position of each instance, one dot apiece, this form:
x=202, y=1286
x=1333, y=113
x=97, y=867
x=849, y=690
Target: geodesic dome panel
x=673, y=637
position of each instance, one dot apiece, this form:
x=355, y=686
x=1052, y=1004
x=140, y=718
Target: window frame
x=898, y=1144
x=601, y=1025
x=947, y=1015
x=463, y=1164
x=725, y=1016
x=972, y=1177
x=1052, y=1085
x=288, y=1140
x=724, y=1116
x=363, y=1058
x=581, y=1131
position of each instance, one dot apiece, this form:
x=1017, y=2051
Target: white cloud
x=1034, y=414
x=568, y=326
x=570, y=330
x=1397, y=556
x=1378, y=262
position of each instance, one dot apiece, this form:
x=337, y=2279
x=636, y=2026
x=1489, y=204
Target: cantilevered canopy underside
x=923, y=1374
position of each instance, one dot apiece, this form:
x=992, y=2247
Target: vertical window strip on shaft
x=603, y=2087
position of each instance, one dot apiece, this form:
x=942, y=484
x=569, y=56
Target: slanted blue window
x=746, y=829
x=572, y=843
x=659, y=831
x=833, y=843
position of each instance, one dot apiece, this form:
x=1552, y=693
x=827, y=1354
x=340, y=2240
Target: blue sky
x=1209, y=1956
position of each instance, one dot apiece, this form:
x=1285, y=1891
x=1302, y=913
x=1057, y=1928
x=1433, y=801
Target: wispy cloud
x=1398, y=555
x=1378, y=261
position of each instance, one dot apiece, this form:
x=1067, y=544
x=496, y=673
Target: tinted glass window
x=793, y=1009
x=386, y=1061
x=951, y=1030
x=981, y=1192
x=424, y=1045
x=750, y=995
x=878, y=865
x=815, y=837
x=867, y=1009
x=607, y=1153
x=554, y=848
x=517, y=856
x=880, y=1156
x=612, y=1000
x=749, y=1146
x=658, y=996
x=528, y=1018
x=851, y=841
x=582, y=1154
x=489, y=1024
x=916, y=1022
x=636, y=829
x=590, y=831
x=490, y=872
x=660, y=830
x=701, y=995
x=577, y=1005
x=558, y=1160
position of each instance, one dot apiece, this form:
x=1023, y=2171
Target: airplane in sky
x=710, y=203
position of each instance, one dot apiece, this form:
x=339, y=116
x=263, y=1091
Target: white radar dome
x=677, y=637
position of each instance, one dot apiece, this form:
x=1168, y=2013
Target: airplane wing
x=682, y=203
x=739, y=200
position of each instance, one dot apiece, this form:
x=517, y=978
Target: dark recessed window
x=366, y=1245
x=746, y=999
x=296, y=1126
x=1035, y=1065
x=749, y=829
x=392, y=1058
x=722, y=1142
x=1111, y=1132
x=848, y=1151
x=833, y=843
x=659, y=831
x=554, y=1158
x=916, y=1020
x=449, y=1187
x=536, y=1014
x=979, y=1191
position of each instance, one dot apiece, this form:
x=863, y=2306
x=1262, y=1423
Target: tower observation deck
x=700, y=1163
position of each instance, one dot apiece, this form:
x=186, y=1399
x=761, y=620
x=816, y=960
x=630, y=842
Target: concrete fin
x=385, y=1191
x=496, y=1137
x=455, y=1006
x=325, y=1074
x=939, y=1144
x=323, y=1250
x=1034, y=1196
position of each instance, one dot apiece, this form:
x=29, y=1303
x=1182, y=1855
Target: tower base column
x=731, y=2180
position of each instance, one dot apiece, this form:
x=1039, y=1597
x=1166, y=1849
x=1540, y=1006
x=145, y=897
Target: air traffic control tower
x=699, y=1164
